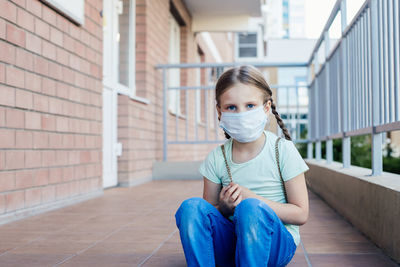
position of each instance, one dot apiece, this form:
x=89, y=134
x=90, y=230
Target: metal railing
x=356, y=90
x=189, y=113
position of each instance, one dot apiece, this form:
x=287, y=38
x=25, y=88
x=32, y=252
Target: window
x=247, y=45
x=119, y=47
x=174, y=79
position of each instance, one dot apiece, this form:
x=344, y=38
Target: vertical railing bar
x=165, y=136
x=363, y=87
x=197, y=98
x=206, y=113
x=396, y=38
x=187, y=114
x=359, y=78
x=352, y=77
x=380, y=62
x=390, y=62
x=215, y=119
x=376, y=138
x=385, y=61
x=177, y=112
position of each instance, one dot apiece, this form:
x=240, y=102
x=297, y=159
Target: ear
x=267, y=107
x=219, y=111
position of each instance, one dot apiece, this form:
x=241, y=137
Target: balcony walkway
x=136, y=226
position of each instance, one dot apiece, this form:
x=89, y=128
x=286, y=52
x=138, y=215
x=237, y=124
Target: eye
x=231, y=107
x=250, y=105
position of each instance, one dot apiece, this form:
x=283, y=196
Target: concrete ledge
x=370, y=203
x=24, y=213
x=186, y=170
x=135, y=182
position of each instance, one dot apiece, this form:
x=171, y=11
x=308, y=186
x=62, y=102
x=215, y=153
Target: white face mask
x=244, y=126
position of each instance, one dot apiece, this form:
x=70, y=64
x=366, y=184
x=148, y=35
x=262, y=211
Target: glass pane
x=247, y=38
x=248, y=52
x=124, y=36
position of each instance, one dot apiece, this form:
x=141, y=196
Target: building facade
x=81, y=97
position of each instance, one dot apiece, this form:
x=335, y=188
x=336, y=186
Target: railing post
x=329, y=143
x=346, y=145
x=376, y=137
x=165, y=144
x=317, y=109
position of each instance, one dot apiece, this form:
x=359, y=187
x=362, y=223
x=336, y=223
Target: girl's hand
x=229, y=197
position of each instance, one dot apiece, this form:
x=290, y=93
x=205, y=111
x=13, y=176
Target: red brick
x=15, y=200
x=48, y=86
x=35, y=7
x=15, y=118
x=23, y=99
x=7, y=138
x=21, y=3
x=49, y=158
x=41, y=65
x=33, y=159
x=7, y=181
x=33, y=82
x=62, y=90
x=49, y=15
x=68, y=174
x=7, y=96
x=23, y=139
x=56, y=36
x=7, y=54
x=25, y=20
x=8, y=11
x=49, y=50
x=33, y=43
x=24, y=179
x=2, y=160
x=41, y=102
x=55, y=175
x=62, y=124
x=42, y=29
x=24, y=59
x=2, y=73
x=33, y=197
x=41, y=177
x=14, y=159
x=62, y=56
x=55, y=72
x=48, y=194
x=40, y=140
x=15, y=35
x=2, y=28
x=48, y=122
x=15, y=77
x=32, y=120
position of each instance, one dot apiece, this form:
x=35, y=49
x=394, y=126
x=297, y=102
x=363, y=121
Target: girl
x=247, y=221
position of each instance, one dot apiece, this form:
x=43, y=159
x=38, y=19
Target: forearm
x=287, y=212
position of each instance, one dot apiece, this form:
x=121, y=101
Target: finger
x=237, y=201
x=236, y=194
x=232, y=189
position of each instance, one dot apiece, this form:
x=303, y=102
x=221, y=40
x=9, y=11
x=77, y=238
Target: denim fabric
x=256, y=237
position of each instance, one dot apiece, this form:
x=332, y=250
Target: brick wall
x=139, y=124
x=50, y=105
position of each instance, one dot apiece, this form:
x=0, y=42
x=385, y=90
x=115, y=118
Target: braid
x=279, y=121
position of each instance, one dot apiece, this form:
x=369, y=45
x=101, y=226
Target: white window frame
x=260, y=45
x=111, y=23
x=174, y=77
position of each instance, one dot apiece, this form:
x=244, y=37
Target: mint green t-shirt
x=259, y=174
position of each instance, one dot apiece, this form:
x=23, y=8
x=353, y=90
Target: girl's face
x=240, y=98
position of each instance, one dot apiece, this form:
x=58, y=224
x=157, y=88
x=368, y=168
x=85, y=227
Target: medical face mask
x=244, y=126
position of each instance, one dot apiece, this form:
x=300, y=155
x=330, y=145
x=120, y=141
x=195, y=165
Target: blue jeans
x=256, y=237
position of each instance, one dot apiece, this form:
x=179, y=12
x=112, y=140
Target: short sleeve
x=292, y=164
x=208, y=168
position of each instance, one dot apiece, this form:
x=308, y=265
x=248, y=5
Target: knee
x=253, y=209
x=190, y=208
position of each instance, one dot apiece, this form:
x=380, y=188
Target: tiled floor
x=136, y=226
